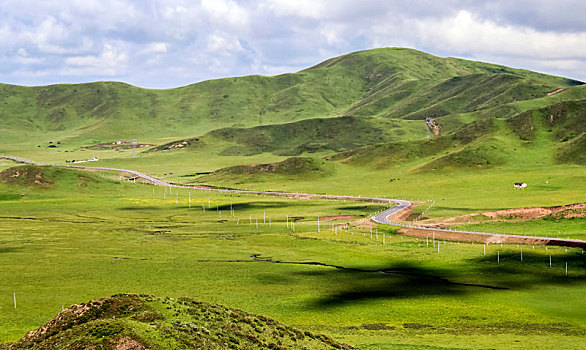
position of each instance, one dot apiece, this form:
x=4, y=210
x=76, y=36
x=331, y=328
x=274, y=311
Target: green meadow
x=352, y=125
x=88, y=235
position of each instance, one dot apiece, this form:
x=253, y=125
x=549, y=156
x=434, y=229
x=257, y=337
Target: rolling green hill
x=352, y=125
x=488, y=141
x=389, y=83
x=363, y=111
x=148, y=322
x=49, y=178
x=389, y=154
x=290, y=168
x=306, y=136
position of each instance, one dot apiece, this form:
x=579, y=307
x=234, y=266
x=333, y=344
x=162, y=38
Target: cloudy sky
x=170, y=43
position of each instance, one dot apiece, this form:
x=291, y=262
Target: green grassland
x=77, y=236
x=143, y=321
x=383, y=83
x=352, y=125
x=469, y=170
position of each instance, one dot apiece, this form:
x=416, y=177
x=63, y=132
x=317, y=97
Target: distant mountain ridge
x=383, y=83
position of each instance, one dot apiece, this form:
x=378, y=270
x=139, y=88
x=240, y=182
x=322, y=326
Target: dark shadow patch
x=395, y=282
x=9, y=197
x=195, y=174
x=274, y=279
x=533, y=271
x=469, y=210
x=363, y=207
x=9, y=249
x=20, y=218
x=416, y=325
x=157, y=232
x=392, y=282
x=140, y=208
x=251, y=205
x=377, y=327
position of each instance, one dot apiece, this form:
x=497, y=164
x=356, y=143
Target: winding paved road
x=381, y=218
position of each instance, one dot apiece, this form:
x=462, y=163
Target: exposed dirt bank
x=517, y=214
x=488, y=238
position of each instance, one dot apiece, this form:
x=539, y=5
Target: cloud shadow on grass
x=349, y=285
x=483, y=274
x=533, y=271
x=362, y=207
x=4, y=250
x=138, y=208
x=354, y=285
x=404, y=280
x=395, y=281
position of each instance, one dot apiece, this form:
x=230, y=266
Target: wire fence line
x=381, y=217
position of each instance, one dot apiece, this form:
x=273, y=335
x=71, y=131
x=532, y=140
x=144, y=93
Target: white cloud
x=331, y=34
x=49, y=31
x=170, y=12
x=223, y=45
x=86, y=45
x=27, y=60
x=172, y=42
x=8, y=38
x=299, y=8
x=159, y=47
x=466, y=32
x=226, y=12
x=109, y=62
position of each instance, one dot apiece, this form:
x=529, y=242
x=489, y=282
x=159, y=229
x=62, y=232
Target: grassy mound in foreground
x=148, y=322
x=47, y=177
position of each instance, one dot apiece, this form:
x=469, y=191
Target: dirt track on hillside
x=566, y=211
x=516, y=214
x=491, y=239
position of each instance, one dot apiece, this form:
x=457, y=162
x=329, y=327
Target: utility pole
x=134, y=143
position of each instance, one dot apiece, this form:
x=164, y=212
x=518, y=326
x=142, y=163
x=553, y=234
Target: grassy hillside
x=573, y=151
x=489, y=141
x=406, y=83
x=148, y=322
x=315, y=135
x=68, y=245
x=290, y=168
x=355, y=125
x=483, y=158
x=389, y=154
x=397, y=83
x=47, y=178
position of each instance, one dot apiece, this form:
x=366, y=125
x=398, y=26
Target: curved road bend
x=401, y=204
x=381, y=218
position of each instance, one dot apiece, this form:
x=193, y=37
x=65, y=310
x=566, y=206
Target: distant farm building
x=520, y=185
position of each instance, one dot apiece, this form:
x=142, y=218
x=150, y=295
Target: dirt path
x=339, y=217
x=555, y=92
x=401, y=210
x=516, y=214
x=491, y=238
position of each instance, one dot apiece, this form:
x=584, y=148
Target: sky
x=171, y=43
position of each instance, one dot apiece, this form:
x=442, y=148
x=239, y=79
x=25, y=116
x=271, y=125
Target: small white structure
x=519, y=185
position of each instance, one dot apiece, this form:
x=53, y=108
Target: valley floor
x=80, y=236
